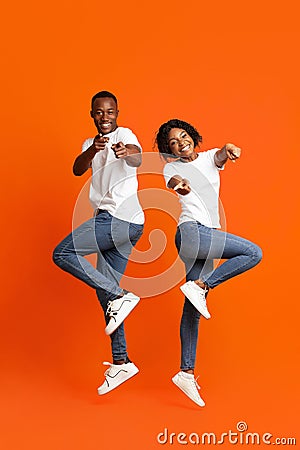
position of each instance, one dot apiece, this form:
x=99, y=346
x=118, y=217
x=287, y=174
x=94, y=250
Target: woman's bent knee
x=256, y=254
x=57, y=255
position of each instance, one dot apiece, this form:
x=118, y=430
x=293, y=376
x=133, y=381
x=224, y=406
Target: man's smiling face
x=105, y=113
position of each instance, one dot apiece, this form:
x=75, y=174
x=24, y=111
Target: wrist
x=225, y=150
x=221, y=156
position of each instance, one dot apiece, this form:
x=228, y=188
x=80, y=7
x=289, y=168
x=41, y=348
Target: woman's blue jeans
x=112, y=239
x=198, y=246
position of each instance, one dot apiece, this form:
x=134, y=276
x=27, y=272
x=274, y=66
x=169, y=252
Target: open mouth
x=185, y=148
x=105, y=126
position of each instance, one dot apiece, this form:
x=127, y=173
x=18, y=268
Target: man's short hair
x=103, y=94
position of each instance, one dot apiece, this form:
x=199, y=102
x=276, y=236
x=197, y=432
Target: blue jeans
x=198, y=246
x=112, y=239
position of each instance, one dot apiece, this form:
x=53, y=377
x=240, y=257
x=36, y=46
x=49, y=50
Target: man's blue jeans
x=112, y=239
x=198, y=246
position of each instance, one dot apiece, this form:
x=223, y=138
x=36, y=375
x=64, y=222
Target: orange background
x=232, y=69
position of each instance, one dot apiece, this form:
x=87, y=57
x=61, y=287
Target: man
x=114, y=155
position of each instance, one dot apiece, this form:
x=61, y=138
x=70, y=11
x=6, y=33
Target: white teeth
x=184, y=149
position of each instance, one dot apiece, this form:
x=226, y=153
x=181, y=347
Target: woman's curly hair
x=163, y=133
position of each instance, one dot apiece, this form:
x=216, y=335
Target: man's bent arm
x=83, y=161
x=130, y=152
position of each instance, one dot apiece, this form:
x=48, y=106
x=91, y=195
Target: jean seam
x=72, y=241
x=190, y=352
x=118, y=343
x=84, y=273
x=237, y=269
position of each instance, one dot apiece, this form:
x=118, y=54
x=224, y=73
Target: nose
x=180, y=142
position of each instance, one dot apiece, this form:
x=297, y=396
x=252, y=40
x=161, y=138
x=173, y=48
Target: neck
x=190, y=158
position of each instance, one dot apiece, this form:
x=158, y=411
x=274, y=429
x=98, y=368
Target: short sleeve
x=211, y=155
x=87, y=143
x=128, y=137
x=169, y=171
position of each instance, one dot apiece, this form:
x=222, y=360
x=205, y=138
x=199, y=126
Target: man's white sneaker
x=119, y=309
x=196, y=296
x=115, y=375
x=187, y=383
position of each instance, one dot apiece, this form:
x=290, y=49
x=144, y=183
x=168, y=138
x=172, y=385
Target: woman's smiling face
x=181, y=144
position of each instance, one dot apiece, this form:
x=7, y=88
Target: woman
x=195, y=178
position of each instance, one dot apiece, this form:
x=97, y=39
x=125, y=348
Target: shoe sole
x=121, y=317
x=185, y=290
x=136, y=371
x=182, y=390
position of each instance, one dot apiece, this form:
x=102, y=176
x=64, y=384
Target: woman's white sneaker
x=187, y=383
x=196, y=296
x=119, y=309
x=115, y=375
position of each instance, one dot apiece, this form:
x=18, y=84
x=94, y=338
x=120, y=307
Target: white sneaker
x=187, y=383
x=119, y=309
x=116, y=375
x=196, y=296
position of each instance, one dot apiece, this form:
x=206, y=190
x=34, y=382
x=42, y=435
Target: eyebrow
x=102, y=109
x=180, y=134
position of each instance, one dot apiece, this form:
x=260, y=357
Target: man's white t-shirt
x=202, y=203
x=114, y=183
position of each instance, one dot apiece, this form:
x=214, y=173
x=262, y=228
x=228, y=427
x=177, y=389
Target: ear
x=91, y=114
x=117, y=113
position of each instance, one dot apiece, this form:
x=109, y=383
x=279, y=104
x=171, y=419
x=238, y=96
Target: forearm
x=134, y=155
x=83, y=161
x=179, y=184
x=174, y=181
x=229, y=151
x=221, y=156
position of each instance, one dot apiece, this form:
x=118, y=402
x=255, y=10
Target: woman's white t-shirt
x=114, y=183
x=202, y=203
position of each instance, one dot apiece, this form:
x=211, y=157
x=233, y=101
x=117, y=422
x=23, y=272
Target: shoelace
x=106, y=363
x=202, y=292
x=202, y=296
x=109, y=309
x=196, y=384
